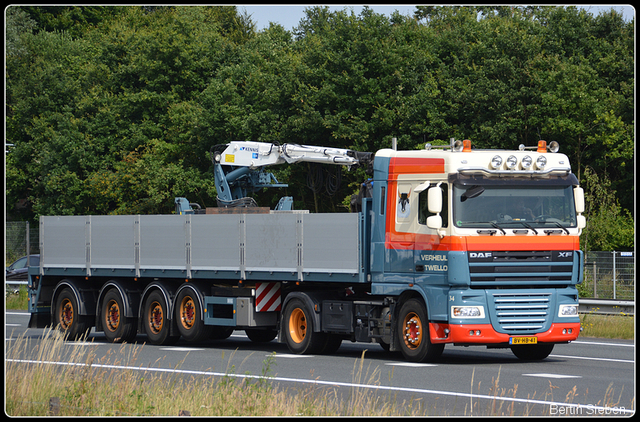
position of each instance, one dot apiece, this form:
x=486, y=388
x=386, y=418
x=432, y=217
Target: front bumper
x=484, y=334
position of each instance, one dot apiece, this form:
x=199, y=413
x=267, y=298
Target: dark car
x=18, y=270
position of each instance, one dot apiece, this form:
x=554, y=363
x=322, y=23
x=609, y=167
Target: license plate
x=523, y=340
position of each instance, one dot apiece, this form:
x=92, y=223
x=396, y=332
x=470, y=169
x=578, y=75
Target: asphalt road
x=587, y=377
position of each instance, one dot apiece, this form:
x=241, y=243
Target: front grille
x=520, y=268
x=521, y=313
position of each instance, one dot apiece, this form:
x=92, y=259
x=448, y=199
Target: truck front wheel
x=413, y=332
x=67, y=318
x=298, y=329
x=532, y=351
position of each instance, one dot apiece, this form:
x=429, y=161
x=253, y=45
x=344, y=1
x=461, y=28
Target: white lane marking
x=79, y=343
x=587, y=358
x=180, y=349
x=289, y=356
x=332, y=383
x=410, y=364
x=602, y=344
x=557, y=376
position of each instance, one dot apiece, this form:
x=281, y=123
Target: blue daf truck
x=445, y=245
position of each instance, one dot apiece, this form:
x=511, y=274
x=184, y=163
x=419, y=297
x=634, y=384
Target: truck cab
x=489, y=240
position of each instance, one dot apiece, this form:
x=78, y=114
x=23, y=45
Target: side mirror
x=434, y=200
x=578, y=198
x=582, y=222
x=434, y=222
x=434, y=203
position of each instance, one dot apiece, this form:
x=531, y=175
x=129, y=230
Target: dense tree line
x=113, y=110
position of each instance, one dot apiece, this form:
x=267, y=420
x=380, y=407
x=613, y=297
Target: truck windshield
x=513, y=205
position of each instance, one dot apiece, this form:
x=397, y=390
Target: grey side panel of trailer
x=271, y=242
x=331, y=244
x=215, y=242
x=63, y=242
x=163, y=240
x=220, y=246
x=113, y=241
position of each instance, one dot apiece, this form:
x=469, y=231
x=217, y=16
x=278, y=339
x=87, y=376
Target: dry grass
x=90, y=386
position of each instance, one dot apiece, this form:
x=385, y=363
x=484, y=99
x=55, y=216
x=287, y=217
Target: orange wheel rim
x=156, y=318
x=187, y=312
x=298, y=325
x=412, y=331
x=112, y=316
x=66, y=314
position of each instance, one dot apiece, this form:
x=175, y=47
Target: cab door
x=431, y=257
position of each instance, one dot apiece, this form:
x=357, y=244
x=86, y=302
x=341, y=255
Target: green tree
x=103, y=101
x=609, y=226
x=515, y=75
x=78, y=107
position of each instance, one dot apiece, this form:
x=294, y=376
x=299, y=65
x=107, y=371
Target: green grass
x=17, y=301
x=608, y=326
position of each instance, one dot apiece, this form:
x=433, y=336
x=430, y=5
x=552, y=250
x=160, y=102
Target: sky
x=289, y=15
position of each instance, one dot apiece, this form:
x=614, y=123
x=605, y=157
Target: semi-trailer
x=445, y=245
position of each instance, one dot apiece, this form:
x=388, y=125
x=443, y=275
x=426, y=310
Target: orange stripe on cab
x=406, y=165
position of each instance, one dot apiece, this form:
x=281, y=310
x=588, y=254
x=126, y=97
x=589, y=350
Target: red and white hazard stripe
x=268, y=297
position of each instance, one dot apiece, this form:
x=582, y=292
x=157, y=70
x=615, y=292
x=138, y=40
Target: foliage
x=609, y=226
x=114, y=109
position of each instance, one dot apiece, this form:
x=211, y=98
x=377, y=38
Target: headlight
x=526, y=162
x=496, y=162
x=467, y=312
x=568, y=311
x=541, y=162
x=512, y=161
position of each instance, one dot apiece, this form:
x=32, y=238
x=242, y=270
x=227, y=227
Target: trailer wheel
x=117, y=326
x=413, y=330
x=299, y=333
x=156, y=324
x=533, y=351
x=189, y=316
x=67, y=318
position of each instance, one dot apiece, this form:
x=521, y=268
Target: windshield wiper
x=562, y=227
x=527, y=225
x=493, y=224
x=557, y=224
x=497, y=227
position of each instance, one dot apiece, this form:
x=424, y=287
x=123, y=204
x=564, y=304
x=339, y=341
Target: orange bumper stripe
x=460, y=334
